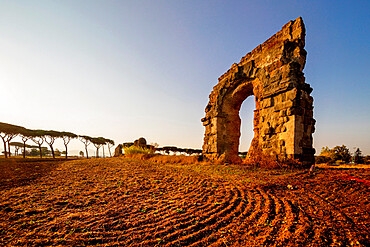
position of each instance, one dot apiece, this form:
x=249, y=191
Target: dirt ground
x=128, y=202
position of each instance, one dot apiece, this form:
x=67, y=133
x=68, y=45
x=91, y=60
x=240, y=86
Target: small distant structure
x=118, y=150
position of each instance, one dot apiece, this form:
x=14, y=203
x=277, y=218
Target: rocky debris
x=283, y=119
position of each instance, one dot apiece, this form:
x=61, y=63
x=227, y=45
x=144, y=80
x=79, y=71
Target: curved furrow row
x=254, y=227
x=258, y=217
x=232, y=220
x=345, y=230
x=303, y=225
x=268, y=211
x=172, y=220
x=290, y=221
x=160, y=215
x=198, y=215
x=177, y=220
x=141, y=217
x=208, y=221
x=238, y=214
x=319, y=220
x=323, y=228
x=275, y=220
x=248, y=225
x=237, y=228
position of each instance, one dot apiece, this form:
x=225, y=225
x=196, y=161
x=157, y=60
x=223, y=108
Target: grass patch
x=138, y=152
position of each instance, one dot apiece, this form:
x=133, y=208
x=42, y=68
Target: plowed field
x=128, y=202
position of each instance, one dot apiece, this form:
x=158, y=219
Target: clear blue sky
x=125, y=69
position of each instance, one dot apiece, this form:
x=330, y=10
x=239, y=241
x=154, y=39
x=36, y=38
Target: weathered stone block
x=268, y=102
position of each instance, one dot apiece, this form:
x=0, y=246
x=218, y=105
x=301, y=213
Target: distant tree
x=45, y=151
x=358, y=156
x=34, y=152
x=17, y=146
x=37, y=136
x=7, y=133
x=167, y=149
x=159, y=149
x=337, y=153
x=327, y=155
x=98, y=143
x=327, y=152
x=189, y=151
x=86, y=140
x=67, y=136
x=26, y=134
x=110, y=145
x=342, y=153
x=49, y=137
x=57, y=152
x=103, y=142
x=81, y=154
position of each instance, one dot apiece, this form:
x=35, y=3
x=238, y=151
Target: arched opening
x=229, y=122
x=246, y=114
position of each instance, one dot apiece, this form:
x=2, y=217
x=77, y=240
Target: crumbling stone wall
x=283, y=119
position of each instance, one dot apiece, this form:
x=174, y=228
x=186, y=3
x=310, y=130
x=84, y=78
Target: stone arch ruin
x=283, y=119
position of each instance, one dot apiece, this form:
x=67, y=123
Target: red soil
x=125, y=202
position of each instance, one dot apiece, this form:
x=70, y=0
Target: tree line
x=188, y=151
x=165, y=149
x=9, y=131
x=339, y=153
